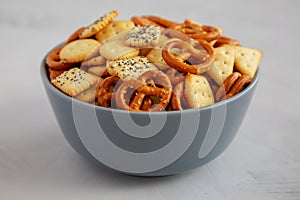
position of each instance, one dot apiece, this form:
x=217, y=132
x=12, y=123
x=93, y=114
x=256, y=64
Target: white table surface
x=36, y=162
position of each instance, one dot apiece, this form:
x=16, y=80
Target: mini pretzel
x=158, y=85
x=226, y=86
x=147, y=103
x=105, y=91
x=131, y=94
x=223, y=40
x=143, y=21
x=197, y=31
x=124, y=93
x=232, y=85
x=158, y=78
x=239, y=85
x=54, y=62
x=160, y=21
x=202, y=56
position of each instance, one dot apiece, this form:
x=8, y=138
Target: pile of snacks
x=150, y=63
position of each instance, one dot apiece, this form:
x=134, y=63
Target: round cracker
x=78, y=50
x=114, y=48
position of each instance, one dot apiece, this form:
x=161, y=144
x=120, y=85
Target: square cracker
x=247, y=60
x=98, y=24
x=197, y=91
x=143, y=36
x=130, y=68
x=74, y=81
x=222, y=67
x=114, y=28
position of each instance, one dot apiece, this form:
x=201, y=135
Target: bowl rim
x=47, y=84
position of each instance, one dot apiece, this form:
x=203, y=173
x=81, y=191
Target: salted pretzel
x=226, y=86
x=140, y=21
x=131, y=94
x=232, y=85
x=125, y=93
x=106, y=90
x=159, y=85
x=239, y=85
x=197, y=31
x=223, y=40
x=156, y=77
x=201, y=56
x=147, y=103
x=54, y=62
x=160, y=21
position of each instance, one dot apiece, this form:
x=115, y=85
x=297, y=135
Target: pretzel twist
x=201, y=56
x=106, y=89
x=160, y=21
x=134, y=94
x=197, y=31
x=232, y=85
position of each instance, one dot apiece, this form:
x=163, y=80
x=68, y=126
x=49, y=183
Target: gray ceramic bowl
x=149, y=144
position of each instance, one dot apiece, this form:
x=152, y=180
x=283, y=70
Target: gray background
x=36, y=162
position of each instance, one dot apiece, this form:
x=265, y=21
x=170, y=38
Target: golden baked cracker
x=98, y=24
x=130, y=68
x=88, y=95
x=114, y=28
x=223, y=64
x=74, y=81
x=197, y=91
x=143, y=36
x=247, y=60
x=78, y=50
x=114, y=48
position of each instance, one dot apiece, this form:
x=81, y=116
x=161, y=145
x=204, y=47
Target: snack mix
x=150, y=63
